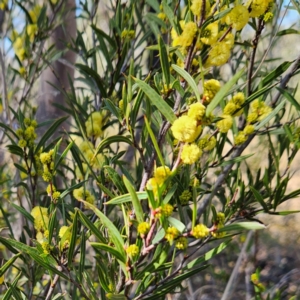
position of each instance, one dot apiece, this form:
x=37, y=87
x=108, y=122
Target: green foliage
x=149, y=185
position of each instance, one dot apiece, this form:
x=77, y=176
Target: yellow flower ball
x=185, y=129
x=209, y=35
x=38, y=211
x=132, y=250
x=238, y=17
x=190, y=153
x=241, y=138
x=196, y=111
x=197, y=5
x=211, y=87
x=225, y=124
x=200, y=231
x=249, y=129
x=218, y=55
x=181, y=243
x=171, y=234
x=161, y=174
x=143, y=228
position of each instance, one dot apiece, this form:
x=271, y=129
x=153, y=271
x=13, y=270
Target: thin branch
x=252, y=57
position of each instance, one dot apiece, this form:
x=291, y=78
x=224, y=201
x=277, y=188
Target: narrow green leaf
x=170, y=15
x=33, y=253
x=289, y=97
x=112, y=139
x=287, y=31
x=235, y=160
x=259, y=198
x=70, y=189
x=159, y=236
x=114, y=233
x=7, y=295
x=63, y=155
x=52, y=225
x=284, y=213
x=154, y=141
x=176, y=223
x=223, y=92
x=8, y=129
x=90, y=73
x=157, y=100
x=276, y=73
x=208, y=255
x=189, y=79
x=174, y=282
x=271, y=115
x=8, y=264
x=15, y=149
x=110, y=106
x=135, y=200
x=48, y=133
x=82, y=261
x=164, y=61
x=24, y=212
x=116, y=179
x=126, y=198
x=242, y=226
x=88, y=224
x=73, y=239
x=111, y=250
x=103, y=278
x=170, y=193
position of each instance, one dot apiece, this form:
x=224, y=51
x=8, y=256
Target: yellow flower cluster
x=185, y=197
x=19, y=40
x=238, y=17
x=255, y=280
x=190, y=153
x=132, y=250
x=259, y=111
x=41, y=219
x=211, y=87
x=186, y=129
x=207, y=143
x=164, y=211
x=218, y=55
x=128, y=34
x=161, y=174
x=3, y=4
x=225, y=124
x=200, y=231
x=78, y=173
x=258, y=7
x=181, y=243
x=47, y=160
x=65, y=236
x=83, y=194
x=242, y=136
x=210, y=33
x=186, y=38
x=219, y=223
x=268, y=17
x=94, y=124
x=196, y=8
x=196, y=111
x=143, y=228
x=88, y=152
x=27, y=134
x=52, y=192
x=171, y=234
x=233, y=107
